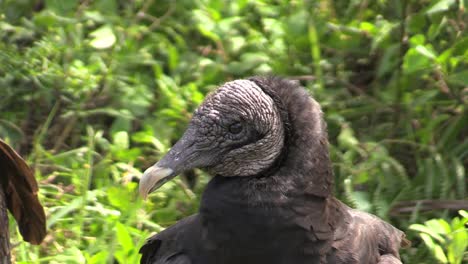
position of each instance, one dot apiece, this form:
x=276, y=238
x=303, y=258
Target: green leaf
x=418, y=39
x=100, y=257
x=121, y=140
x=425, y=51
x=463, y=213
x=62, y=7
x=414, y=62
x=460, y=78
x=435, y=249
x=458, y=245
x=206, y=25
x=119, y=198
x=347, y=139
x=103, y=38
x=123, y=236
x=440, y=6
x=424, y=229
x=438, y=225
x=367, y=27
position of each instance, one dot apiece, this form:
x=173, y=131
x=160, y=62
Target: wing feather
x=166, y=247
x=368, y=239
x=21, y=195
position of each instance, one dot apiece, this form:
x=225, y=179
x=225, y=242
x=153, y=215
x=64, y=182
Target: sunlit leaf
x=440, y=6
x=425, y=51
x=102, y=38
x=428, y=231
x=414, y=61
x=121, y=140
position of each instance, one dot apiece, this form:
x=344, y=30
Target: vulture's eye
x=235, y=128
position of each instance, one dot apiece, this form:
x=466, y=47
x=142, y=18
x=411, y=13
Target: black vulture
x=271, y=198
x=18, y=194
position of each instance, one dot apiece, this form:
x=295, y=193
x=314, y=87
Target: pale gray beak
x=183, y=156
x=153, y=178
x=180, y=158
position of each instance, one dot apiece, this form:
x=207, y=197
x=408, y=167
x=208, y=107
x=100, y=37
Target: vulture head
x=243, y=129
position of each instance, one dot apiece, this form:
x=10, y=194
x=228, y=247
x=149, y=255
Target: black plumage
x=271, y=199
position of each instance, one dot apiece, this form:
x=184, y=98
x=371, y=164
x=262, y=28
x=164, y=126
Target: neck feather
x=306, y=143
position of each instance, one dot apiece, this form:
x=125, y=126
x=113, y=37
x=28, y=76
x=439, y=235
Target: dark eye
x=235, y=128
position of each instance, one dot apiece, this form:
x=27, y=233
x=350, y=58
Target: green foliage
x=94, y=92
x=438, y=235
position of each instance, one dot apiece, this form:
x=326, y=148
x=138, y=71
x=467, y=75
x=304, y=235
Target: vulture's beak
x=181, y=157
x=153, y=178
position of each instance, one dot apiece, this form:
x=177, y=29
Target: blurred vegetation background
x=94, y=92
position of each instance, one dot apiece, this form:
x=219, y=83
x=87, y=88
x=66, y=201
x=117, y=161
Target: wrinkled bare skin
x=261, y=127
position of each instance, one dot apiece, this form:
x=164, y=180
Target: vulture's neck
x=305, y=155
x=308, y=157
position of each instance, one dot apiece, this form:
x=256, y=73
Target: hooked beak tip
x=153, y=178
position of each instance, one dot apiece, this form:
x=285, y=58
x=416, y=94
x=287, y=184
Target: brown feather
x=21, y=195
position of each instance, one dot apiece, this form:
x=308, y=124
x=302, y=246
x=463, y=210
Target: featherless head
x=237, y=131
